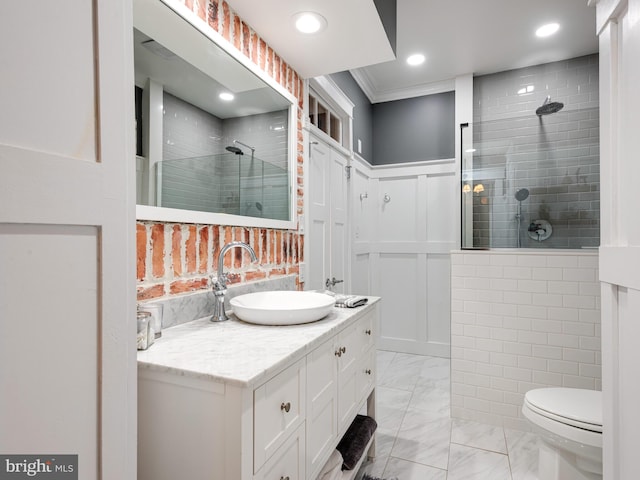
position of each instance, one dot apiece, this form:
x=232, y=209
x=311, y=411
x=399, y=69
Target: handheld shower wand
x=520, y=195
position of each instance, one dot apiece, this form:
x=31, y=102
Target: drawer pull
x=368, y=332
x=284, y=478
x=286, y=407
x=340, y=351
x=368, y=371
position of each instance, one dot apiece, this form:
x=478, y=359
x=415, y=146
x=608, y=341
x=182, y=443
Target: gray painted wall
x=410, y=130
x=414, y=129
x=362, y=114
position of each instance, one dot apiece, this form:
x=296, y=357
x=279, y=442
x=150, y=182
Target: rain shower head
x=522, y=194
x=235, y=150
x=549, y=107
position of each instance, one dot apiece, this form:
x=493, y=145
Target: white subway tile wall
x=521, y=320
x=556, y=157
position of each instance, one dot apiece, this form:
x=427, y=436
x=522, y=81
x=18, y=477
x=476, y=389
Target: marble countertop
x=239, y=353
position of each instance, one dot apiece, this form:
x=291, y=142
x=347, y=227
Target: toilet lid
x=572, y=406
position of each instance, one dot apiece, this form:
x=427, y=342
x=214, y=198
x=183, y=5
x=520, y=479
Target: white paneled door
x=328, y=235
x=67, y=207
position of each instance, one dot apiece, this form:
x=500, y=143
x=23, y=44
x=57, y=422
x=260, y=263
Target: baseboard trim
x=415, y=347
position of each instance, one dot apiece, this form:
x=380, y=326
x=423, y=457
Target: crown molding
x=365, y=82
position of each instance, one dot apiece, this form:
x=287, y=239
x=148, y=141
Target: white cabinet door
x=328, y=234
x=278, y=408
x=322, y=401
x=348, y=351
x=67, y=214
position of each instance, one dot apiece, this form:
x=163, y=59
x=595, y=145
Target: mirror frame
x=174, y=215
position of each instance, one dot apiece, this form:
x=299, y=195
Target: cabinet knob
x=368, y=332
x=368, y=371
x=286, y=407
x=343, y=349
x=284, y=478
x=338, y=352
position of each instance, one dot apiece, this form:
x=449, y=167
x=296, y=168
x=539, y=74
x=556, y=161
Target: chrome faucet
x=219, y=282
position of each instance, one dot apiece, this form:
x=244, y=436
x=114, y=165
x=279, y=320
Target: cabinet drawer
x=278, y=409
x=287, y=463
x=354, y=341
x=366, y=374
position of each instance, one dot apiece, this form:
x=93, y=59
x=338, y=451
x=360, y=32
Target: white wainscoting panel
x=403, y=246
x=398, y=217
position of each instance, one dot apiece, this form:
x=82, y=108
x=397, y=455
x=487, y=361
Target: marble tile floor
x=417, y=439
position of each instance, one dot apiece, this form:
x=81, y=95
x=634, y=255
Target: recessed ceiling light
x=415, y=59
x=547, y=30
x=226, y=96
x=309, y=22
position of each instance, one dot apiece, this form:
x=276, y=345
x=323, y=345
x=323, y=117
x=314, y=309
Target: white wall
x=521, y=320
x=401, y=247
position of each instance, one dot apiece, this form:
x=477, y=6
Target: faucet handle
x=219, y=282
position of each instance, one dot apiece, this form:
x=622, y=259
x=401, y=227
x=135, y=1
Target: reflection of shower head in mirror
x=235, y=150
x=522, y=194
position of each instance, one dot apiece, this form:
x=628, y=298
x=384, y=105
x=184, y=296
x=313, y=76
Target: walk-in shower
x=231, y=182
x=528, y=183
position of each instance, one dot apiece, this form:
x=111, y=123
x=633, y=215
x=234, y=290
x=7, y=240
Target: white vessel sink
x=284, y=307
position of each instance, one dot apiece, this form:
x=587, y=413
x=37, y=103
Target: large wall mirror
x=215, y=138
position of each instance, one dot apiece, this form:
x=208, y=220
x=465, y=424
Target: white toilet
x=569, y=422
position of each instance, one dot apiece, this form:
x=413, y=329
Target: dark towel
x=366, y=476
x=355, y=440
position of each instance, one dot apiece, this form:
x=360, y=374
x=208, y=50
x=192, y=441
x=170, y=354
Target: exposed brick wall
x=178, y=258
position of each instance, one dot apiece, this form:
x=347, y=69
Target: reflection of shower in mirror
x=249, y=209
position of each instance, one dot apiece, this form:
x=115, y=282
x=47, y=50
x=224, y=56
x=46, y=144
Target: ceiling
x=456, y=36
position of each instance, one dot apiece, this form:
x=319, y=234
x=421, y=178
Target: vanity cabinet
x=278, y=419
x=340, y=380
